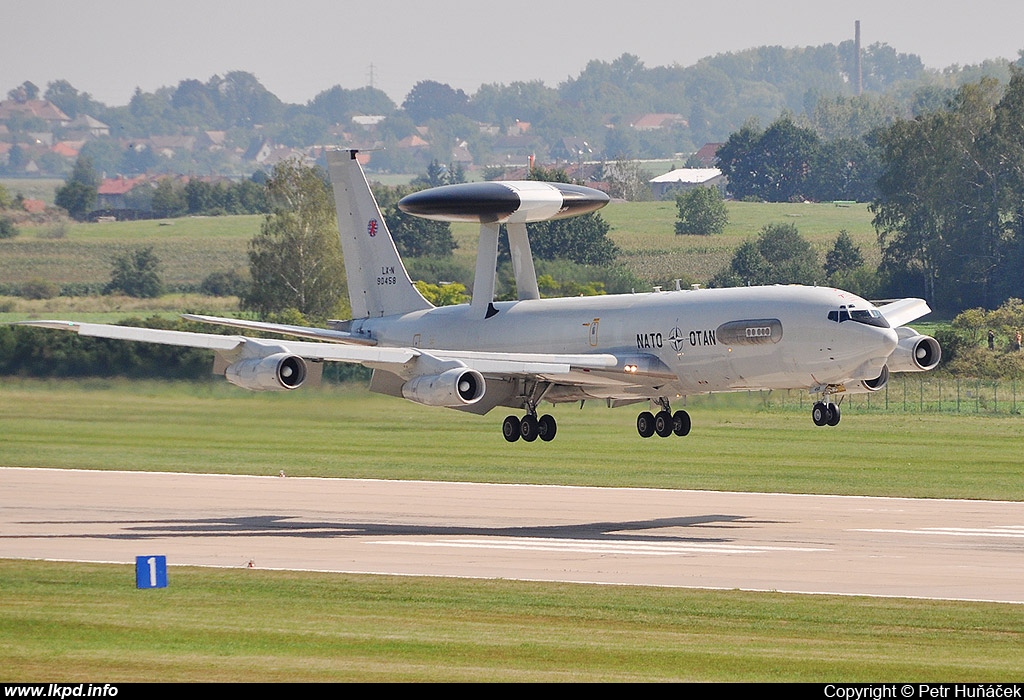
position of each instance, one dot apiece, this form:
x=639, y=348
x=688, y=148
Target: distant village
x=671, y=119
x=39, y=140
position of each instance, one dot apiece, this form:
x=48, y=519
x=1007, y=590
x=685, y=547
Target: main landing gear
x=529, y=428
x=664, y=422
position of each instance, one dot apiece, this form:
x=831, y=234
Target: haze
x=302, y=47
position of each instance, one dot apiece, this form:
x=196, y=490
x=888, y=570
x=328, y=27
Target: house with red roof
x=111, y=192
x=42, y=109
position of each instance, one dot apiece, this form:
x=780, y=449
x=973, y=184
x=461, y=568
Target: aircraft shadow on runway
x=284, y=526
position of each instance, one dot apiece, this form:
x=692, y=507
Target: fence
x=913, y=393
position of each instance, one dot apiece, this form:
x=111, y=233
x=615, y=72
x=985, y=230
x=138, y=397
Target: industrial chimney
x=856, y=42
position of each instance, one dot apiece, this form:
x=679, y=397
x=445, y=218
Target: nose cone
x=891, y=339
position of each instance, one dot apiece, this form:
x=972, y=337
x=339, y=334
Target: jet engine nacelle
x=278, y=372
x=453, y=388
x=869, y=386
x=915, y=352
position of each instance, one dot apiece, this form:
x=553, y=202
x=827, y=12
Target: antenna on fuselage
x=513, y=203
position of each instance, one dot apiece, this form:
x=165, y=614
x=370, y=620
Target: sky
x=298, y=48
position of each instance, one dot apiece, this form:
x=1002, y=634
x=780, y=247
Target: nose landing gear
x=825, y=412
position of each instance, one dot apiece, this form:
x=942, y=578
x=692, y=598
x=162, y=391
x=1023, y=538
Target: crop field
x=191, y=248
x=86, y=622
x=37, y=188
x=645, y=232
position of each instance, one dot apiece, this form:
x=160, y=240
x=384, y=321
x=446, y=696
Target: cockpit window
x=869, y=317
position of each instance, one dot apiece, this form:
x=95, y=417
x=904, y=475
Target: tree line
x=164, y=197
x=710, y=99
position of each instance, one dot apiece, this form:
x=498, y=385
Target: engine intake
x=915, y=353
x=278, y=372
x=453, y=388
x=877, y=383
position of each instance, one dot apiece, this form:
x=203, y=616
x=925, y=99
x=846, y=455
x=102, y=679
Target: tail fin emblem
x=371, y=228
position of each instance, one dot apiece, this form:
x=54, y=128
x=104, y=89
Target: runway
x=921, y=548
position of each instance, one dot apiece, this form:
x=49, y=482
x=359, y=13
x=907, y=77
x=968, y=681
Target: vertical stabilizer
x=378, y=284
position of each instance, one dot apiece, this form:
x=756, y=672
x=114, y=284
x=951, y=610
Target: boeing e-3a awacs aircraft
x=620, y=349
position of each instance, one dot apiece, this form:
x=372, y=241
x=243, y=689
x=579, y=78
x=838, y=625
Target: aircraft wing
x=399, y=360
x=902, y=312
x=326, y=334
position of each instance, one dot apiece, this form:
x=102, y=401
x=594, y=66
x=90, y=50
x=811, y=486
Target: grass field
x=736, y=444
x=86, y=622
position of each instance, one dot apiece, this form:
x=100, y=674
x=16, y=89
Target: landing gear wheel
x=820, y=413
x=663, y=423
x=645, y=424
x=528, y=428
x=510, y=428
x=546, y=428
x=681, y=423
x=833, y=414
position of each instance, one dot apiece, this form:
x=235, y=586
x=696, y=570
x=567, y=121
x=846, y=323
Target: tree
x=701, y=211
x=443, y=294
x=415, y=236
x=787, y=162
x=627, y=180
x=581, y=239
x=78, y=194
x=786, y=152
x=844, y=256
x=136, y=274
x=780, y=255
x=24, y=92
x=430, y=99
x=69, y=100
x=948, y=212
x=168, y=200
x=7, y=228
x=295, y=261
x=338, y=104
